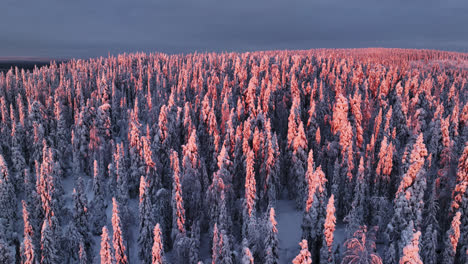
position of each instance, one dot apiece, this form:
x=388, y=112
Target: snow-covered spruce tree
x=157, y=251
x=82, y=256
x=118, y=241
x=208, y=132
x=408, y=202
x=99, y=205
x=459, y=193
x=145, y=238
x=294, y=117
x=81, y=136
x=271, y=240
x=104, y=128
x=384, y=168
x=249, y=227
x=193, y=180
x=271, y=168
x=304, y=256
x=361, y=248
x=28, y=250
x=460, y=202
x=35, y=120
x=137, y=164
x=410, y=252
x=429, y=245
x=326, y=252
x=162, y=214
x=35, y=214
x=219, y=195
x=61, y=133
x=358, y=213
x=81, y=232
x=341, y=126
x=182, y=244
x=399, y=122
x=50, y=247
x=154, y=178
x=429, y=241
x=49, y=186
x=17, y=157
x=355, y=103
x=178, y=211
x=214, y=199
x=7, y=206
x=315, y=211
x=247, y=257
x=299, y=166
x=221, y=251
x=106, y=253
x=451, y=241
x=6, y=254
x=120, y=167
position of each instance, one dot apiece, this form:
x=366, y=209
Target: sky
x=90, y=28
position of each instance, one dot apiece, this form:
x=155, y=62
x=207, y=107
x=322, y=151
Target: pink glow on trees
x=340, y=114
x=462, y=180
x=384, y=166
x=410, y=252
x=272, y=219
x=247, y=257
x=447, y=142
x=250, y=184
x=377, y=123
x=157, y=251
x=271, y=166
x=106, y=253
x=216, y=245
x=316, y=181
x=416, y=161
x=304, y=256
x=271, y=240
x=118, y=241
x=329, y=226
x=355, y=103
x=361, y=249
x=177, y=201
x=29, y=252
x=453, y=236
x=300, y=141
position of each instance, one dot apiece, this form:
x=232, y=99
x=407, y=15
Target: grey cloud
x=65, y=28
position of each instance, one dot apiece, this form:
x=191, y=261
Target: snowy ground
x=289, y=229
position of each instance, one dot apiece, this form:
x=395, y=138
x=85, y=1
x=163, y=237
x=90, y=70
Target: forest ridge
x=157, y=158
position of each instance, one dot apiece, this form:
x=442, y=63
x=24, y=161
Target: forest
x=186, y=158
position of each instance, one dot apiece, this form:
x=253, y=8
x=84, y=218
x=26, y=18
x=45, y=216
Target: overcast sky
x=89, y=28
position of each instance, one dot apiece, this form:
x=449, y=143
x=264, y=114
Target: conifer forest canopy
x=196, y=158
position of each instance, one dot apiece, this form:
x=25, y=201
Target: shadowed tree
x=360, y=249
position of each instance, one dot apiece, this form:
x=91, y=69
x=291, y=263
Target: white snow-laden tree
x=157, y=252
x=106, y=253
x=7, y=207
x=361, y=248
x=271, y=239
x=145, y=238
x=99, y=205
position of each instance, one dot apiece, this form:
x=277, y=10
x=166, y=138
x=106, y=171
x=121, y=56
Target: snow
x=289, y=229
